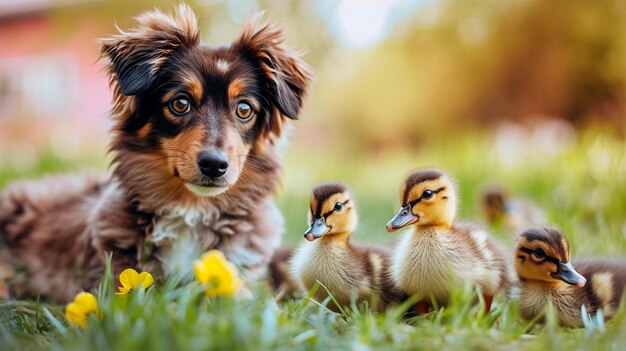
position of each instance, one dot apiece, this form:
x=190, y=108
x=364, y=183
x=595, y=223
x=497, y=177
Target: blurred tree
x=448, y=66
x=220, y=21
x=457, y=64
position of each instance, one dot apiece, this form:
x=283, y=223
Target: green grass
x=582, y=188
x=180, y=317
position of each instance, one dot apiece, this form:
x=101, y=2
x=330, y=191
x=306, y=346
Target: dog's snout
x=213, y=163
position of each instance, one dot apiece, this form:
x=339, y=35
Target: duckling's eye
x=338, y=206
x=244, y=111
x=539, y=253
x=427, y=194
x=180, y=105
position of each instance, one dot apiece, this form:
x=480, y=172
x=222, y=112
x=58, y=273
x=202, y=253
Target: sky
x=362, y=24
x=357, y=24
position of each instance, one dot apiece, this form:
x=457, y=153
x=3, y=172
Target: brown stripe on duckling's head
x=321, y=193
x=556, y=243
x=415, y=178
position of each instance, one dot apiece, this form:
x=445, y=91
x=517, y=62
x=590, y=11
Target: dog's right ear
x=288, y=76
x=135, y=57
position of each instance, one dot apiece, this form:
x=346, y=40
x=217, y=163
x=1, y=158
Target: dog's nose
x=213, y=163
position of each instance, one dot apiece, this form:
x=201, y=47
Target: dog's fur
x=55, y=232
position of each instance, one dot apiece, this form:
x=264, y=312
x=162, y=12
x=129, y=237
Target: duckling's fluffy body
x=435, y=260
x=439, y=255
x=604, y=288
x=347, y=271
x=534, y=297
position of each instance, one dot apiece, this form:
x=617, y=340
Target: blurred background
x=526, y=94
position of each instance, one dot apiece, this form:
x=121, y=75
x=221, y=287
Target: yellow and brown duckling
x=439, y=255
x=280, y=277
x=547, y=275
x=347, y=271
x=502, y=209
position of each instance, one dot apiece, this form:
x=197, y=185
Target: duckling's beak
x=317, y=229
x=403, y=218
x=568, y=274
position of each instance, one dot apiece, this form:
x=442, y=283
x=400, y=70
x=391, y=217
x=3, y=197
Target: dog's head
x=190, y=117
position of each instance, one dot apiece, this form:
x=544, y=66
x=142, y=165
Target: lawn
x=581, y=184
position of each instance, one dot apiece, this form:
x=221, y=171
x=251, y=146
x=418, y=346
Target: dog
x=196, y=145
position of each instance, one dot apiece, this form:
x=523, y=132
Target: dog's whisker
x=258, y=167
x=173, y=149
x=150, y=166
x=173, y=192
x=244, y=179
x=165, y=159
x=257, y=164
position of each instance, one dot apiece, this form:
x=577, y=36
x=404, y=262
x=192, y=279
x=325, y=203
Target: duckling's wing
x=476, y=244
x=606, y=280
x=377, y=263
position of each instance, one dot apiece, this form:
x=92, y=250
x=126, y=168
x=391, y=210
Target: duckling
x=439, y=255
x=347, y=271
x=500, y=208
x=542, y=261
x=280, y=277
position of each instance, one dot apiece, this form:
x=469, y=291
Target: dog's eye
x=180, y=105
x=244, y=111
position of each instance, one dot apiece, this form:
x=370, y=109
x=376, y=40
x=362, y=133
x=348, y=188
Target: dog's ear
x=135, y=57
x=288, y=76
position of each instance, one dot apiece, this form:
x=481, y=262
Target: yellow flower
x=77, y=311
x=218, y=274
x=130, y=279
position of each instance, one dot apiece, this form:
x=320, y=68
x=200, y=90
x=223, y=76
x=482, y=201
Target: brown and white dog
x=195, y=155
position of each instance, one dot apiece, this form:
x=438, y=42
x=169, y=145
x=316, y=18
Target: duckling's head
x=427, y=199
x=331, y=211
x=494, y=202
x=542, y=255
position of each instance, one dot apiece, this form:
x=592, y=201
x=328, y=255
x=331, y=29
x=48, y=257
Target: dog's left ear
x=135, y=57
x=288, y=76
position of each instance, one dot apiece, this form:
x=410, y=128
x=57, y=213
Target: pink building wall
x=52, y=90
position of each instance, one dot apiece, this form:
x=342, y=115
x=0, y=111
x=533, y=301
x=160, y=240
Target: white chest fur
x=182, y=234
x=331, y=266
x=178, y=223
x=434, y=263
x=534, y=299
